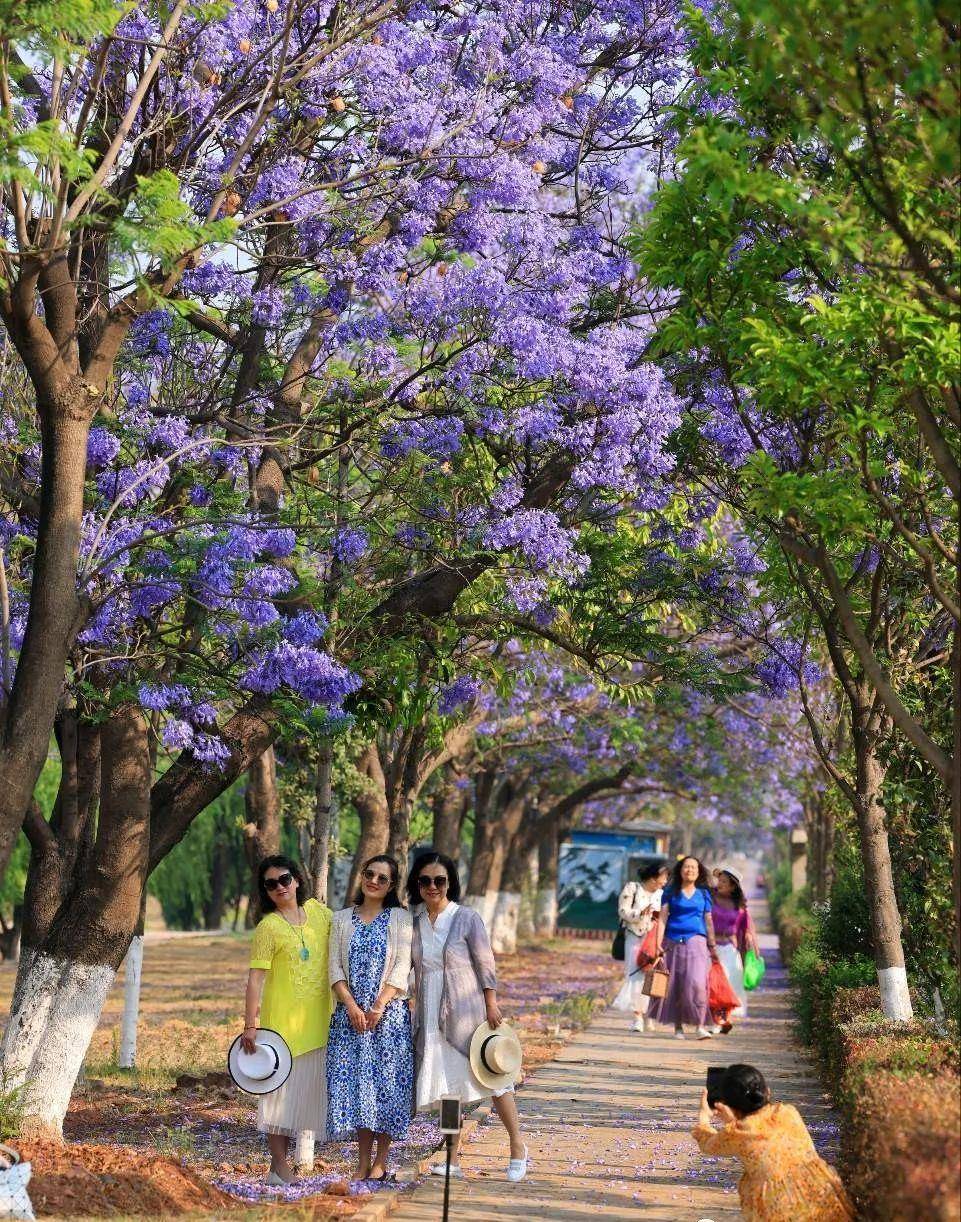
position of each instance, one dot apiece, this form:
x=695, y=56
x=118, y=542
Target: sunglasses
x=381, y=880
x=282, y=880
x=432, y=880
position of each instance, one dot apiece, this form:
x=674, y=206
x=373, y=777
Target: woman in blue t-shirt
x=685, y=936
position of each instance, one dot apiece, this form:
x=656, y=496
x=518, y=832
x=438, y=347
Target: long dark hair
x=431, y=858
x=278, y=862
x=703, y=879
x=392, y=898
x=737, y=892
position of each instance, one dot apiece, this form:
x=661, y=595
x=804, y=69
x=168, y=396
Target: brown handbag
x=655, y=982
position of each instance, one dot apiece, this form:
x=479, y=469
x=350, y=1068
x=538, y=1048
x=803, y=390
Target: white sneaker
x=649, y=1024
x=703, y=1033
x=715, y=1028
x=441, y=1169
x=678, y=1035
x=638, y=1025
x=517, y=1168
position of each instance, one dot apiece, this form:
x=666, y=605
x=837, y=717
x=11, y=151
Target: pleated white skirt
x=730, y=958
x=301, y=1103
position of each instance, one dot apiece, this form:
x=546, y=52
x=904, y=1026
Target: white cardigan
x=400, y=931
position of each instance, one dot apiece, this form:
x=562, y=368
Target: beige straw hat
x=495, y=1056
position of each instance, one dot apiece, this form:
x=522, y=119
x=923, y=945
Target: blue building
x=595, y=864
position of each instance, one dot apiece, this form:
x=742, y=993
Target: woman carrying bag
x=734, y=930
x=638, y=908
x=686, y=941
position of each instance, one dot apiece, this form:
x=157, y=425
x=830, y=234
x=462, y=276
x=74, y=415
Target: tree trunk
x=66, y=974
x=876, y=856
x=323, y=809
x=545, y=907
x=373, y=812
x=262, y=829
x=508, y=907
x=132, y=977
x=449, y=808
x=487, y=864
x=215, y=906
x=10, y=936
x=956, y=781
x=526, y=927
x=398, y=837
x=54, y=614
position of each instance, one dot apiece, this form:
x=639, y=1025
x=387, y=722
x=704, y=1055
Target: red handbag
x=721, y=998
x=647, y=951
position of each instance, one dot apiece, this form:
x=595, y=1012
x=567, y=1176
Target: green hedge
x=896, y=1085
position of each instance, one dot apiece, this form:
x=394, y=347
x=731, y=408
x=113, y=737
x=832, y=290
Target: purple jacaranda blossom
x=350, y=545
x=462, y=691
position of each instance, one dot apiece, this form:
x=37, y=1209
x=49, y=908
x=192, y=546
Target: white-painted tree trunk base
x=304, y=1150
x=133, y=971
x=504, y=924
x=484, y=904
x=545, y=912
x=56, y=1010
x=895, y=996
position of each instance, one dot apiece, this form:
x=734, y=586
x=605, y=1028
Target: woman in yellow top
x=785, y=1179
x=288, y=990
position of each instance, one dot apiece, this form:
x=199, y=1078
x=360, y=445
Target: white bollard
x=133, y=971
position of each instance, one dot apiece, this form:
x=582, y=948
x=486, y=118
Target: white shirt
x=637, y=907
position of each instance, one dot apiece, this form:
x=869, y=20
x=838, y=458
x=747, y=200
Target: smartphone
x=715, y=1084
x=450, y=1117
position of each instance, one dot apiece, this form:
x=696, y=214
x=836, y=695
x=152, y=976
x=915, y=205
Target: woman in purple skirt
x=685, y=937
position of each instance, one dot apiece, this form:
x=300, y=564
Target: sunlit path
x=609, y=1123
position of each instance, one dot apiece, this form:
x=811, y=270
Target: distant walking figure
x=686, y=937
x=785, y=1179
x=370, y=1061
x=287, y=986
x=638, y=907
x=734, y=931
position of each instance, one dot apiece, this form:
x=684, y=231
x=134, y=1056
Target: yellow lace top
x=785, y=1179
x=297, y=1000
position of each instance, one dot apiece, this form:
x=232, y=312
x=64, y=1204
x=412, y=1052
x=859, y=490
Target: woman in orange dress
x=785, y=1179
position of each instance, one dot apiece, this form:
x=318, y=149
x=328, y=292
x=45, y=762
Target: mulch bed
x=83, y=1180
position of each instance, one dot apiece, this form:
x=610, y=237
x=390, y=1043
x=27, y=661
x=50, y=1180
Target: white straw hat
x=733, y=873
x=265, y=1069
x=495, y=1055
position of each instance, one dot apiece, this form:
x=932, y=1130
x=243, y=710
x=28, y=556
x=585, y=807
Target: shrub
x=896, y=1085
x=899, y=1149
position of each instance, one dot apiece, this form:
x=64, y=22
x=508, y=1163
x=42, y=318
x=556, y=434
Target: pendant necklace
x=304, y=953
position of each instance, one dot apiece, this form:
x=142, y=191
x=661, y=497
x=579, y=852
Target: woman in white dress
x=638, y=907
x=456, y=991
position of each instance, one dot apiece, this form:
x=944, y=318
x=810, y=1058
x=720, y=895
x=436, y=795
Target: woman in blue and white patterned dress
x=370, y=1055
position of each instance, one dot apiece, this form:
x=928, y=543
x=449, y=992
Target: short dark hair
x=431, y=858
x=279, y=862
x=737, y=892
x=392, y=898
x=744, y=1089
x=651, y=870
x=703, y=879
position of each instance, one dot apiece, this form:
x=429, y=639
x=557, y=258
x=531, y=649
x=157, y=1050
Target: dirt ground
x=174, y=1137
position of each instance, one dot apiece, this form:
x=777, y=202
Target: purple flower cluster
x=462, y=691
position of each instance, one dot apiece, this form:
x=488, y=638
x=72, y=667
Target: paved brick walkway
x=608, y=1124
